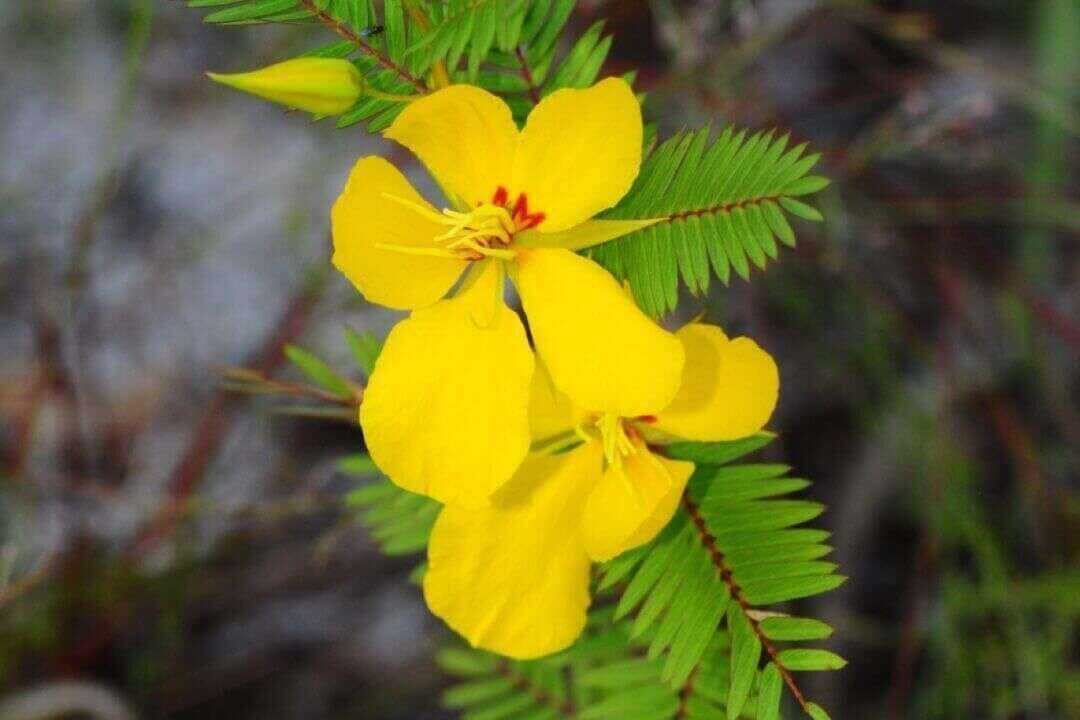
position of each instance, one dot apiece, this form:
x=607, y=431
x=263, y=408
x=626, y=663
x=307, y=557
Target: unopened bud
x=324, y=86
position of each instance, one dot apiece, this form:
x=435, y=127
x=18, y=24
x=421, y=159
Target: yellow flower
x=324, y=86
x=446, y=410
x=513, y=577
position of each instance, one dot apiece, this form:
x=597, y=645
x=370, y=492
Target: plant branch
x=565, y=708
x=684, y=694
x=717, y=209
x=349, y=34
x=709, y=543
x=210, y=434
x=526, y=73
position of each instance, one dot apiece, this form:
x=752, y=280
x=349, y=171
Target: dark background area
x=171, y=548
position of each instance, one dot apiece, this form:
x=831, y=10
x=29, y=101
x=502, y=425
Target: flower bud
x=324, y=86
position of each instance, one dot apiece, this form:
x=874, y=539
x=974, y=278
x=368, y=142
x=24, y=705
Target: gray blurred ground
x=155, y=229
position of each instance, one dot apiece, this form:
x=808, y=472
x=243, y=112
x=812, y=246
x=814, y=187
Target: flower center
x=485, y=231
x=617, y=436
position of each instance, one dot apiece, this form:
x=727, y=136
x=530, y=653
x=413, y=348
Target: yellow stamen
x=418, y=208
x=616, y=442
x=413, y=250
x=470, y=235
x=476, y=247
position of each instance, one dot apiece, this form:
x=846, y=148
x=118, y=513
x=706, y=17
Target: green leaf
x=784, y=627
x=318, y=371
x=718, y=453
x=723, y=488
x=732, y=540
x=721, y=202
x=642, y=702
x=737, y=559
x=762, y=515
x=259, y=10
x=473, y=693
x=745, y=651
x=801, y=209
x=359, y=464
x=394, y=27
x=758, y=572
x=620, y=674
x=509, y=708
x=655, y=564
x=807, y=185
x=398, y=520
x=465, y=662
x=816, y=711
x=769, y=694
x=810, y=659
x=769, y=592
x=582, y=63
x=365, y=348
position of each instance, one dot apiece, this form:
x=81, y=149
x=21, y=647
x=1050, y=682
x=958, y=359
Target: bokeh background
x=169, y=549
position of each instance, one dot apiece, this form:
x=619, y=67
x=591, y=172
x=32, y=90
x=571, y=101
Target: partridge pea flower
x=445, y=412
x=514, y=577
x=324, y=86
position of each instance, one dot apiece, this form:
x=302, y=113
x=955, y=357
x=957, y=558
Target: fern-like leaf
x=723, y=201
x=735, y=548
x=398, y=520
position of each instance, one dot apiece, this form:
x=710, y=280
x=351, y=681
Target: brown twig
x=526, y=73
x=684, y=694
x=565, y=708
x=210, y=433
x=349, y=34
x=723, y=208
x=253, y=382
x=709, y=543
x=29, y=581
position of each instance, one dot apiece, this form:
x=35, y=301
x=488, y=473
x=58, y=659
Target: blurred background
x=169, y=549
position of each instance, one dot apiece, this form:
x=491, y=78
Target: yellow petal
x=729, y=387
x=324, y=86
x=680, y=473
x=632, y=502
x=601, y=350
x=550, y=412
x=587, y=234
x=513, y=577
x=579, y=153
x=464, y=135
x=445, y=412
x=364, y=219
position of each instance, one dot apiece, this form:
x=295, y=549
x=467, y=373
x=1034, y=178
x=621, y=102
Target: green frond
x=736, y=548
x=398, y=520
x=365, y=348
x=358, y=14
x=724, y=201
x=468, y=30
x=581, y=65
x=318, y=371
x=530, y=69
x=506, y=46
x=602, y=677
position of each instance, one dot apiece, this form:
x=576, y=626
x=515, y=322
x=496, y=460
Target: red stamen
x=523, y=219
x=531, y=221
x=521, y=207
x=650, y=419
